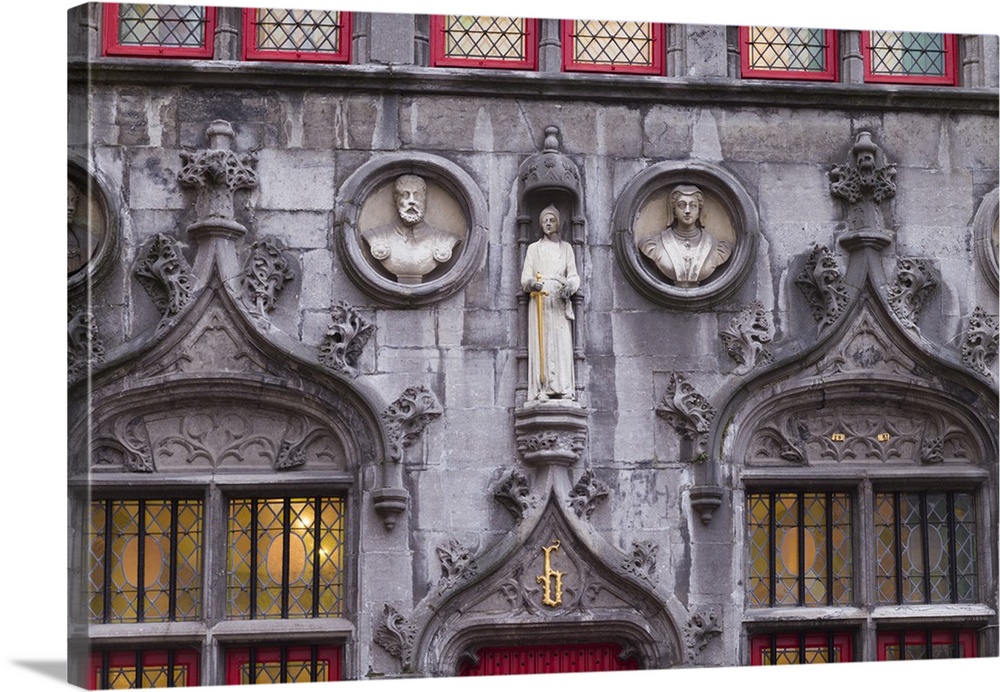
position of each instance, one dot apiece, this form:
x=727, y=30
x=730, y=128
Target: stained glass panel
x=276, y=548
x=925, y=547
x=907, y=53
x=786, y=49
x=485, y=38
x=145, y=560
x=799, y=549
x=161, y=25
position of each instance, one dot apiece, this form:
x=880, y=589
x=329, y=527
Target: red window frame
x=440, y=59
x=965, y=639
x=251, y=52
x=949, y=78
x=829, y=58
x=657, y=67
x=148, y=657
x=761, y=642
x=237, y=657
x=111, y=46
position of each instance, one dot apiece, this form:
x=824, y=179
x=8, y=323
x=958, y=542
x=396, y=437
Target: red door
x=548, y=658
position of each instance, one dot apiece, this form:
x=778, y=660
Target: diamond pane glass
x=598, y=42
x=485, y=38
x=144, y=669
x=925, y=548
x=907, y=53
x=800, y=647
x=799, y=549
x=145, y=560
x=161, y=25
x=286, y=558
x=786, y=49
x=313, y=31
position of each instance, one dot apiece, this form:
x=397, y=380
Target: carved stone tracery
x=979, y=351
x=823, y=286
x=687, y=411
x=512, y=491
x=164, y=273
x=266, y=273
x=408, y=416
x=748, y=338
x=85, y=348
x=345, y=339
x=588, y=492
x=396, y=634
x=458, y=564
x=915, y=281
x=699, y=629
x=642, y=561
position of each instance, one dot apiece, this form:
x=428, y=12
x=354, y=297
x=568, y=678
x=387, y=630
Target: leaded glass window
x=145, y=560
x=773, y=52
x=315, y=35
x=158, y=30
x=286, y=558
x=613, y=46
x=799, y=549
x=263, y=665
x=900, y=56
x=925, y=549
x=483, y=41
x=143, y=669
x=800, y=647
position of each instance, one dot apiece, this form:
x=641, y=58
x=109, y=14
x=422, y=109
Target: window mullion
x=138, y=669
x=253, y=561
x=898, y=546
x=773, y=552
x=800, y=520
x=140, y=571
x=952, y=549
x=172, y=593
x=829, y=553
x=317, y=536
x=286, y=534
x=925, y=545
x=108, y=519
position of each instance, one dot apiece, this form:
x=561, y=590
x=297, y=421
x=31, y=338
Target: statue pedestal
x=551, y=433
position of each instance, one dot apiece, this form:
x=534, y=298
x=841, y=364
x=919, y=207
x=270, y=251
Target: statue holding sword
x=549, y=276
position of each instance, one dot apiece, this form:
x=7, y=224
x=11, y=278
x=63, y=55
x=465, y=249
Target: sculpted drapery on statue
x=549, y=276
x=409, y=248
x=684, y=251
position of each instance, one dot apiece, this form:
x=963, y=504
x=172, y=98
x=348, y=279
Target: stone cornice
x=414, y=80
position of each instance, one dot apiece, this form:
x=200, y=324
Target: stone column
x=549, y=46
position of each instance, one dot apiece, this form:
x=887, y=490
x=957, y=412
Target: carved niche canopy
x=411, y=261
x=653, y=241
x=92, y=226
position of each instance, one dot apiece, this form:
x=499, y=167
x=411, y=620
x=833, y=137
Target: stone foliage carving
x=85, y=348
x=642, y=561
x=915, y=280
x=587, y=494
x=699, y=629
x=164, y=273
x=217, y=172
x=823, y=286
x=687, y=411
x=863, y=184
x=126, y=447
x=685, y=251
x=571, y=442
x=748, y=338
x=395, y=634
x=512, y=491
x=345, y=339
x=266, y=273
x=858, y=434
x=979, y=351
x=408, y=416
x=458, y=564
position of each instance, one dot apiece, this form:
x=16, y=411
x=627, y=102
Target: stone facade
x=240, y=341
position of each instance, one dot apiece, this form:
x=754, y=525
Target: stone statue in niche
x=82, y=245
x=409, y=248
x=685, y=252
x=549, y=275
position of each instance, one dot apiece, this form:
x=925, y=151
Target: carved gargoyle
x=863, y=184
x=164, y=274
x=981, y=339
x=915, y=281
x=345, y=339
x=823, y=286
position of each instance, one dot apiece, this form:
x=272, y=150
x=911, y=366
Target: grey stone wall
x=310, y=137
